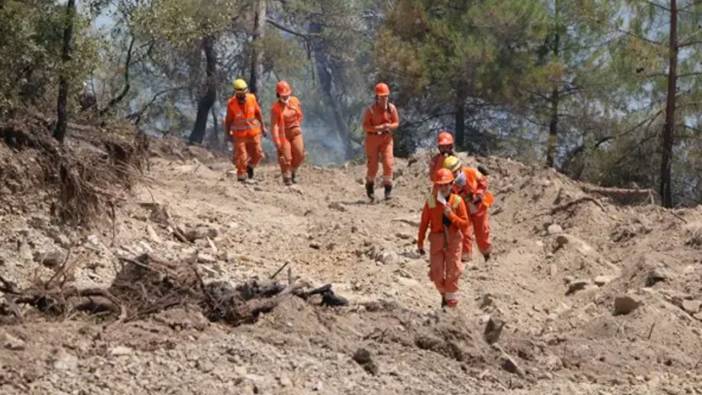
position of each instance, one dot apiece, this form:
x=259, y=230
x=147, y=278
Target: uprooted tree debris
x=80, y=176
x=146, y=285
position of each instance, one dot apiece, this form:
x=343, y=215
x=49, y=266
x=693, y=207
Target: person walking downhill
x=286, y=132
x=445, y=216
x=380, y=120
x=244, y=123
x=472, y=185
x=444, y=143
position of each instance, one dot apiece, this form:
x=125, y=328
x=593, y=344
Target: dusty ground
x=556, y=273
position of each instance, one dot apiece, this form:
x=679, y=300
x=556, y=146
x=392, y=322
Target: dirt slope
x=562, y=258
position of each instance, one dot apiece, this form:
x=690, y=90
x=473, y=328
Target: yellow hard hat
x=240, y=85
x=452, y=163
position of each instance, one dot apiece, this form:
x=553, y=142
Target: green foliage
x=31, y=32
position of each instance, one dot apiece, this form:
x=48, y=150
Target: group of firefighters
x=455, y=210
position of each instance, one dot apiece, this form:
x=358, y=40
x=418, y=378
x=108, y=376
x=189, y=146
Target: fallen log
x=623, y=195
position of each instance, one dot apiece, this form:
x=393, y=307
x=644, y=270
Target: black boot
x=250, y=171
x=388, y=192
x=287, y=181
x=486, y=256
x=443, y=301
x=370, y=190
x=294, y=181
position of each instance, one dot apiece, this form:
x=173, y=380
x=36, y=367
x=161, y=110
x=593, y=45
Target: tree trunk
x=325, y=73
x=62, y=102
x=460, y=116
x=257, y=46
x=553, y=129
x=669, y=126
x=214, y=140
x=554, y=100
x=210, y=95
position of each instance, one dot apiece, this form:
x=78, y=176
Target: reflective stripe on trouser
x=468, y=242
x=292, y=152
x=445, y=266
x=480, y=220
x=247, y=152
x=379, y=147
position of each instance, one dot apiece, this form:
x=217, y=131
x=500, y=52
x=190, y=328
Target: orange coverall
x=436, y=163
x=380, y=143
x=286, y=120
x=244, y=121
x=445, y=243
x=478, y=200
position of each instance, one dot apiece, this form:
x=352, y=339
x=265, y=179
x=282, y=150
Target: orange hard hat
x=443, y=177
x=382, y=89
x=282, y=88
x=445, y=138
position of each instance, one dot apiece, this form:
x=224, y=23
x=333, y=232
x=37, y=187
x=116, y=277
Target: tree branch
x=125, y=88
x=277, y=25
x=689, y=43
x=659, y=6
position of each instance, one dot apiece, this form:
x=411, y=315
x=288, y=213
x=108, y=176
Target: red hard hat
x=282, y=88
x=445, y=138
x=382, y=89
x=443, y=177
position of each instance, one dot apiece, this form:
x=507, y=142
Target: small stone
x=509, y=364
x=152, y=234
x=94, y=240
x=337, y=206
x=65, y=361
x=120, y=351
x=625, y=304
x=561, y=240
x=363, y=358
x=206, y=258
x=691, y=306
x=200, y=232
x=51, y=259
x=577, y=285
x=389, y=258
x=285, y=381
x=554, y=229
x=25, y=253
x=655, y=276
x=493, y=330
x=12, y=343
x=603, y=280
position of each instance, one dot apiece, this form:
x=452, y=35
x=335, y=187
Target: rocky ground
x=595, y=297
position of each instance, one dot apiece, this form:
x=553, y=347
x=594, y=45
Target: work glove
x=446, y=220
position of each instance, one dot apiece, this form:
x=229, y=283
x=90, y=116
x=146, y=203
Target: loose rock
x=625, y=304
x=577, y=285
x=12, y=343
x=493, y=330
x=554, y=229
x=655, y=276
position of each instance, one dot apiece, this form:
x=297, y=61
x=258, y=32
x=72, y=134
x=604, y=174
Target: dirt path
x=554, y=340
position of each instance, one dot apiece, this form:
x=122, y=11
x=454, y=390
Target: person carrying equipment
x=445, y=216
x=471, y=184
x=244, y=123
x=444, y=142
x=286, y=132
x=380, y=120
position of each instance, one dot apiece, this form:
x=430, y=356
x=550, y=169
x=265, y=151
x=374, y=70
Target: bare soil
x=562, y=257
